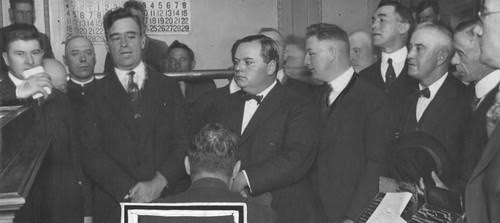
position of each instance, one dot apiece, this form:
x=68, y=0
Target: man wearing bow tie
x=278, y=132
x=439, y=107
x=134, y=132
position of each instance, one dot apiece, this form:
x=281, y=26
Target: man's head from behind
x=213, y=153
x=125, y=38
x=363, y=53
x=428, y=11
x=391, y=26
x=79, y=56
x=178, y=58
x=327, y=51
x=256, y=62
x=467, y=52
x=430, y=52
x=22, y=49
x=277, y=37
x=22, y=11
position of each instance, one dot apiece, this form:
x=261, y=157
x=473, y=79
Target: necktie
x=493, y=115
x=328, y=95
x=132, y=88
x=426, y=93
x=475, y=102
x=246, y=97
x=390, y=74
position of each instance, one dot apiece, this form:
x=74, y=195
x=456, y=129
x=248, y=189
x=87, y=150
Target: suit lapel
x=117, y=99
x=270, y=103
x=492, y=148
x=434, y=110
x=376, y=76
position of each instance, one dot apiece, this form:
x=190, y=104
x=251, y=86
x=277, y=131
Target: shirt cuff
x=248, y=181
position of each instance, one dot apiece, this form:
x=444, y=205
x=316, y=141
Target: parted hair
x=213, y=149
x=403, y=11
x=269, y=48
x=327, y=31
x=113, y=15
x=20, y=31
x=175, y=45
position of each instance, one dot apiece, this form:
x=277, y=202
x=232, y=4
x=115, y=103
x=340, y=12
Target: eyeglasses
x=483, y=13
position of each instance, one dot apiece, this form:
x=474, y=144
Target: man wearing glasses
x=23, y=11
x=482, y=203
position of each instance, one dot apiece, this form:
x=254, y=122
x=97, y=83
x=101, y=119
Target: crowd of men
x=295, y=149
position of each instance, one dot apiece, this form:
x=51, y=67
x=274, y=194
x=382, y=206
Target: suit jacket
x=215, y=190
x=482, y=203
x=127, y=142
x=7, y=90
x=445, y=119
x=152, y=55
x=476, y=137
x=398, y=91
x=60, y=192
x=277, y=148
x=352, y=153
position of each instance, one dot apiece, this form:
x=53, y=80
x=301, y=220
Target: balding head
x=57, y=73
x=430, y=53
x=79, y=56
x=362, y=53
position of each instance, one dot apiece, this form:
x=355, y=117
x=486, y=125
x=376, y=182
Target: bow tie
x=246, y=97
x=426, y=93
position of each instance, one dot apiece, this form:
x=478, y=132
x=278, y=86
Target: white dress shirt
x=339, y=84
x=485, y=85
x=424, y=102
x=248, y=112
x=139, y=76
x=398, y=61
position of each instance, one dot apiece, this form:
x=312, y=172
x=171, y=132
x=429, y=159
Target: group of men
x=293, y=155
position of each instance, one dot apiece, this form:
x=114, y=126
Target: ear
x=65, y=60
x=236, y=169
x=143, y=41
x=193, y=64
x=403, y=27
x=107, y=46
x=271, y=67
x=187, y=165
x=442, y=57
x=333, y=52
x=4, y=55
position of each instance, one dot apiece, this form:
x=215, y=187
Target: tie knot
x=246, y=97
x=131, y=73
x=426, y=93
x=389, y=61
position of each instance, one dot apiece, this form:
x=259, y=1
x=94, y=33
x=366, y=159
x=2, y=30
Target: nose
x=307, y=60
x=237, y=66
x=478, y=30
x=83, y=58
x=123, y=42
x=411, y=53
x=455, y=60
x=29, y=59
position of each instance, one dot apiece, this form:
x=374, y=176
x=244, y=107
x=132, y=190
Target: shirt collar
x=434, y=87
x=82, y=83
x=398, y=56
x=139, y=76
x=485, y=85
x=233, y=87
x=15, y=80
x=266, y=91
x=339, y=83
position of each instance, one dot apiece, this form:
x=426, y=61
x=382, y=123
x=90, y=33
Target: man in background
x=363, y=53
x=153, y=48
x=213, y=162
x=428, y=11
x=484, y=81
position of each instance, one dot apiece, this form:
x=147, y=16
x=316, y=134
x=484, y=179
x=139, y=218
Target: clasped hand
x=147, y=191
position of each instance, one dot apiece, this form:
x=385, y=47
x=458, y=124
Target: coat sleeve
x=378, y=127
x=296, y=155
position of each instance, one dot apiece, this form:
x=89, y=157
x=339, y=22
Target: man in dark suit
x=212, y=162
x=483, y=188
x=79, y=56
x=356, y=126
x=278, y=131
x=134, y=133
x=391, y=26
x=153, y=48
x=484, y=82
x=439, y=106
x=59, y=193
x=23, y=11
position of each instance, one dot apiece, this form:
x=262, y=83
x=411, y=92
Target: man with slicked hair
x=278, y=130
x=356, y=127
